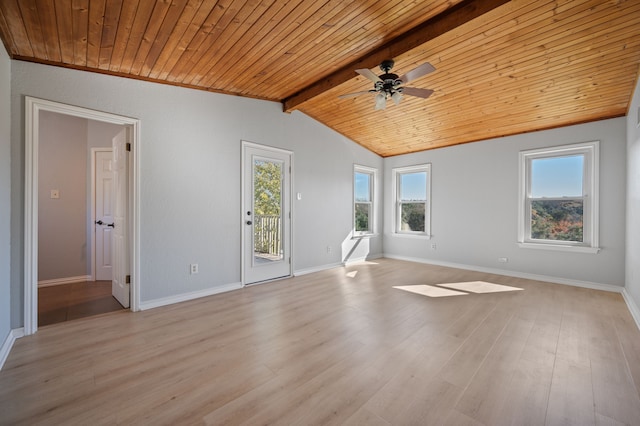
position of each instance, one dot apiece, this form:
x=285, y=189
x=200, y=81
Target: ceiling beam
x=442, y=23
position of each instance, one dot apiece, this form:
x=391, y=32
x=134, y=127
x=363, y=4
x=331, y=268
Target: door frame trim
x=33, y=106
x=92, y=217
x=246, y=144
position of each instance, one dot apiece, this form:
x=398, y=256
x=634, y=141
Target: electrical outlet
x=433, y=246
x=503, y=259
x=193, y=268
x=328, y=249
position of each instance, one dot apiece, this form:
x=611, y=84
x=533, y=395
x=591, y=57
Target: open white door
x=266, y=213
x=120, y=255
x=103, y=196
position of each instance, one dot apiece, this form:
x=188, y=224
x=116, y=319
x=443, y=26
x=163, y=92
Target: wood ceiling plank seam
x=230, y=21
x=158, y=15
x=274, y=68
x=262, y=47
x=7, y=37
x=529, y=70
x=200, y=42
x=414, y=38
x=29, y=13
x=62, y=15
x=125, y=24
x=532, y=69
x=259, y=44
x=193, y=28
x=315, y=46
x=311, y=33
x=218, y=52
x=138, y=29
x=79, y=31
x=181, y=29
x=248, y=41
x=46, y=10
x=94, y=32
x=264, y=50
x=165, y=32
x=17, y=28
x=109, y=31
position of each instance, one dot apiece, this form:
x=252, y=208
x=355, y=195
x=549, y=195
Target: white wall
x=633, y=199
x=5, y=193
x=475, y=206
x=190, y=176
x=62, y=222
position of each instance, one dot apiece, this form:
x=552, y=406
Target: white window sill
x=361, y=236
x=402, y=235
x=560, y=247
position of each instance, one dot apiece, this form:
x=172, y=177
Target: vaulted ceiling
x=502, y=67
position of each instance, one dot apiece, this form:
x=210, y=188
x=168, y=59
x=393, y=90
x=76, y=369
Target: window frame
x=397, y=172
x=590, y=197
x=373, y=173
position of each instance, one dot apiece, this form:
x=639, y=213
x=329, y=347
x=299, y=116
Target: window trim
x=590, y=197
x=396, y=173
x=373, y=172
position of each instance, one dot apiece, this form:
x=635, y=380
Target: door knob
x=249, y=222
x=99, y=222
x=113, y=225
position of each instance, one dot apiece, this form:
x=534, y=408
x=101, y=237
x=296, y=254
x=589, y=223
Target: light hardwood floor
x=339, y=347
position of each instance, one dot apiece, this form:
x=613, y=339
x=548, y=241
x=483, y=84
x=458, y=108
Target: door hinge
x=127, y=279
x=129, y=146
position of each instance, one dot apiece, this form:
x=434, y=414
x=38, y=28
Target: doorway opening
x=46, y=212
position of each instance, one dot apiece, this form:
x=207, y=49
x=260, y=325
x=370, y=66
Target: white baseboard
x=8, y=344
x=508, y=273
x=60, y=281
x=188, y=296
x=633, y=307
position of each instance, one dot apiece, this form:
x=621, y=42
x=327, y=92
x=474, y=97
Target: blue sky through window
x=557, y=176
x=413, y=186
x=363, y=182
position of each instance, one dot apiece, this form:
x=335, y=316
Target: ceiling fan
x=390, y=86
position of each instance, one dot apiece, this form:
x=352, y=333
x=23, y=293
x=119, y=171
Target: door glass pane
x=267, y=211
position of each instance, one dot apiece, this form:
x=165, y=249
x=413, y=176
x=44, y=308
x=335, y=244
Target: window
x=559, y=198
x=363, y=200
x=412, y=198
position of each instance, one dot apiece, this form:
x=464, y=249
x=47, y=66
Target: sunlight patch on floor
x=352, y=274
x=480, y=287
x=429, y=290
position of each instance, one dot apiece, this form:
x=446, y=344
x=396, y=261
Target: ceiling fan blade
x=369, y=74
x=423, y=69
x=414, y=91
x=352, y=95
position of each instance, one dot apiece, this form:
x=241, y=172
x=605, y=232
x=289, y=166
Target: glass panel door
x=267, y=210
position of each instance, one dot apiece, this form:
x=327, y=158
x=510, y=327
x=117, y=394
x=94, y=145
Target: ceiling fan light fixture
x=397, y=97
x=381, y=101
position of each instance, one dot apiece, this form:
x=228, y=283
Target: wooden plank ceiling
x=502, y=67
